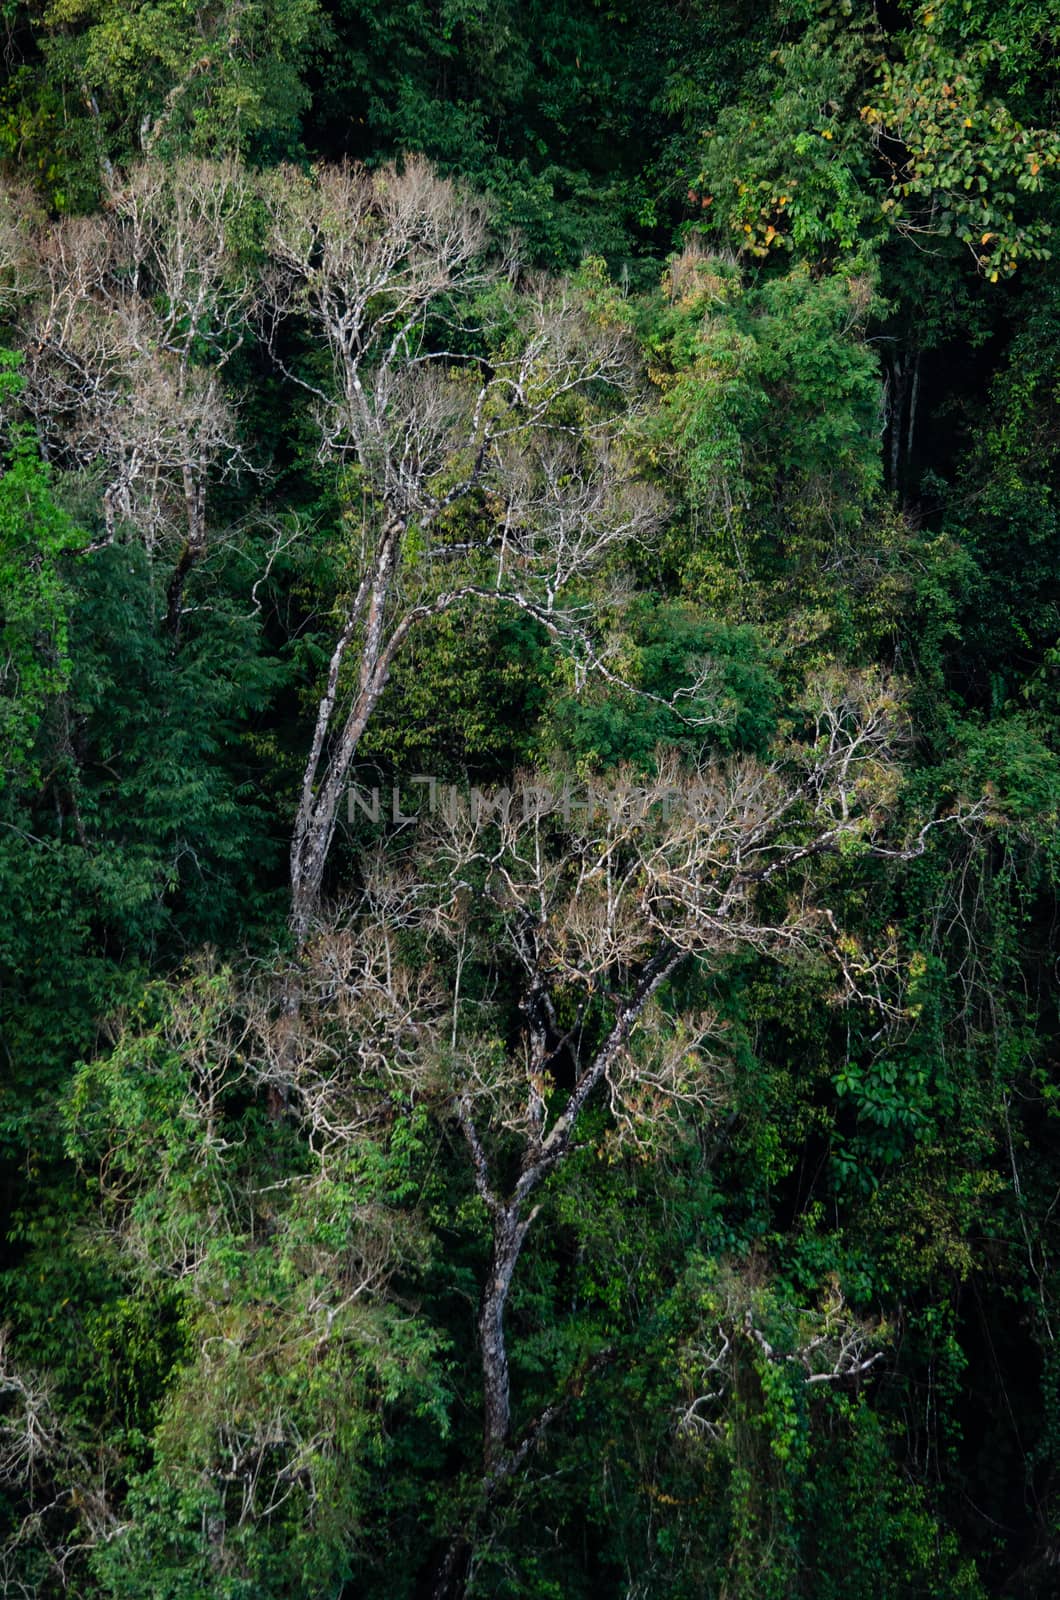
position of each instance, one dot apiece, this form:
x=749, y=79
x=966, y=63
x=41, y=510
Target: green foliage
x=109, y=80
x=772, y=378
x=698, y=686
x=790, y=170
x=960, y=162
x=464, y=696
x=766, y=428
x=572, y=117
x=861, y=134
x=257, y=1455
x=250, y=1345
x=34, y=595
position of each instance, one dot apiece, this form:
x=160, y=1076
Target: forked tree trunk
x=327, y=771
x=502, y=1456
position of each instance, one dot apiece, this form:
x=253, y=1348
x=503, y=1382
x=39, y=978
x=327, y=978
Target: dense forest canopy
x=529, y=650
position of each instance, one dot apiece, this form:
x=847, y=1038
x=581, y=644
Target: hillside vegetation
x=530, y=700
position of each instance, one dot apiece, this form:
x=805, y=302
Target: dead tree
x=382, y=266
x=128, y=320
x=593, y=900
x=598, y=898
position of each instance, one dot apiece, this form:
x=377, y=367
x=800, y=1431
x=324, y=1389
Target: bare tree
x=21, y=219
x=595, y=901
x=131, y=318
x=61, y=1487
x=383, y=265
x=503, y=972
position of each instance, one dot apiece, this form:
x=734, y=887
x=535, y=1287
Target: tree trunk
x=902, y=392
x=194, y=545
x=318, y=809
x=315, y=831
x=508, y=1235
